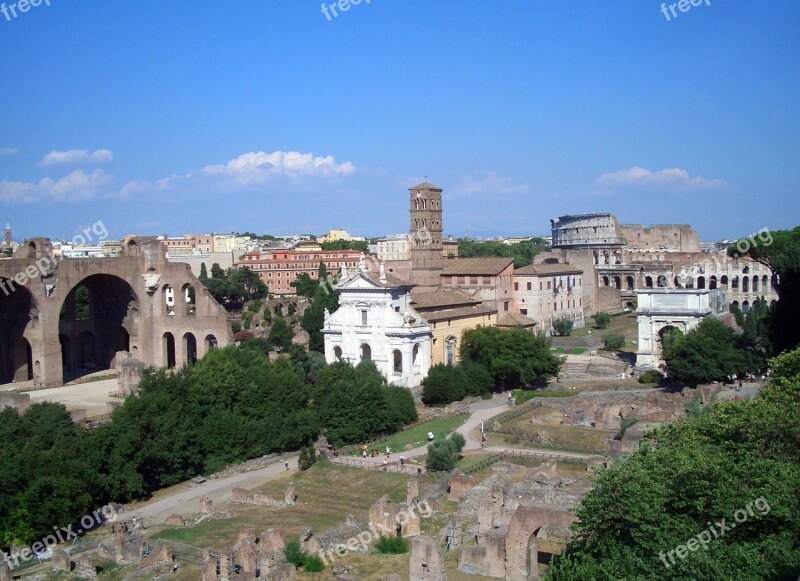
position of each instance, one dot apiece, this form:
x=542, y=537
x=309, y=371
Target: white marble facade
x=375, y=321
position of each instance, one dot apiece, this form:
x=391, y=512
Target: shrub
x=254, y=306
x=563, y=327
x=307, y=458
x=651, y=376
x=602, y=320
x=626, y=423
x=236, y=327
x=243, y=336
x=391, y=545
x=294, y=554
x=313, y=564
x=614, y=341
x=443, y=454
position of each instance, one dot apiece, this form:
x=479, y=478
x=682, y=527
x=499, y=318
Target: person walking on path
x=286, y=463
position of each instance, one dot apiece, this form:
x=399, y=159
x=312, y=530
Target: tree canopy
x=522, y=252
x=711, y=352
x=230, y=406
x=513, y=357
x=692, y=473
x=233, y=287
x=780, y=251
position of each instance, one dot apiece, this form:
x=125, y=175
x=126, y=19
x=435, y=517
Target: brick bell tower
x=425, y=206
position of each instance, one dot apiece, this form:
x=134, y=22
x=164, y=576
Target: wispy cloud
x=488, y=184
x=9, y=151
x=248, y=170
x=77, y=157
x=75, y=187
x=675, y=179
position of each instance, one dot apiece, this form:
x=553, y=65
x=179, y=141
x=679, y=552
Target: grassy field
x=326, y=495
x=625, y=324
x=418, y=436
x=568, y=438
x=574, y=351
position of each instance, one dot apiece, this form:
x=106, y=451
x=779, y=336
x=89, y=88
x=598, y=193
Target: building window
x=487, y=280
x=529, y=286
x=516, y=286
x=541, y=286
x=523, y=311
x=363, y=318
x=548, y=285
x=473, y=280
x=505, y=306
x=461, y=280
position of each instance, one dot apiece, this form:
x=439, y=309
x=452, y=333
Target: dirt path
x=218, y=490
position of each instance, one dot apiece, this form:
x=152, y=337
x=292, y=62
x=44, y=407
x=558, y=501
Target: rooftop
x=478, y=266
x=442, y=298
x=547, y=270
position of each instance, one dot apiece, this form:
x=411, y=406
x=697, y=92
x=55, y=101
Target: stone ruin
x=242, y=496
x=252, y=557
x=5, y=572
x=426, y=562
x=403, y=517
x=130, y=373
x=206, y=505
x=505, y=518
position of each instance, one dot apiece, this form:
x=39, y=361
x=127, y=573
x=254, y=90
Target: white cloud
x=262, y=166
x=489, y=184
x=249, y=169
x=670, y=179
x=77, y=157
x=75, y=187
x=9, y=151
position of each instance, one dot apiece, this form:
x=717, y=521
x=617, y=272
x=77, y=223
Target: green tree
x=304, y=285
x=563, y=327
x=280, y=335
x=780, y=251
x=361, y=245
x=444, y=454
x=444, y=384
x=711, y=352
x=689, y=476
x=602, y=320
x=514, y=357
x=614, y=341
x=203, y=274
x=307, y=458
x=737, y=314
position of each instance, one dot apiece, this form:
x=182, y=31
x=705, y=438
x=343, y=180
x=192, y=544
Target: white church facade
x=375, y=321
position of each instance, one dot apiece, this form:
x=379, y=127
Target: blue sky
x=260, y=115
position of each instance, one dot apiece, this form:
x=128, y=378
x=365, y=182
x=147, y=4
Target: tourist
x=286, y=463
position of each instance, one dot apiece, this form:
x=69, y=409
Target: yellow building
x=336, y=235
x=449, y=313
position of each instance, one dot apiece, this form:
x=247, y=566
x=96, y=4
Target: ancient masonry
x=503, y=522
x=139, y=303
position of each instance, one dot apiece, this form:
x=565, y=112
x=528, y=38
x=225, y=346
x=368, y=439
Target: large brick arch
x=135, y=281
x=521, y=550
